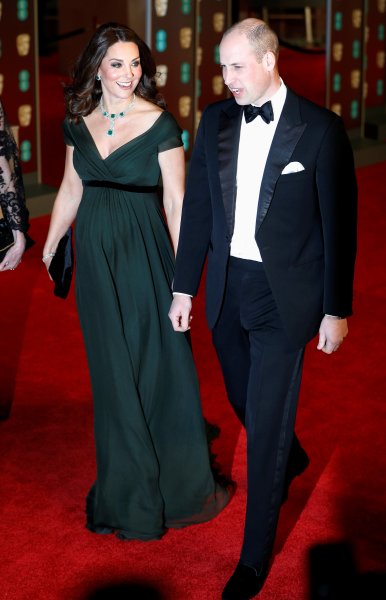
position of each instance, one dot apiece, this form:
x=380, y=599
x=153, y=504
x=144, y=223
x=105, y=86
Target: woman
x=13, y=240
x=13, y=211
x=152, y=458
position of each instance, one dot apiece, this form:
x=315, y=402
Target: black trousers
x=262, y=373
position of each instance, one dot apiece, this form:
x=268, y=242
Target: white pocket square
x=292, y=167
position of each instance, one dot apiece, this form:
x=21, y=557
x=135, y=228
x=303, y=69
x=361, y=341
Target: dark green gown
x=153, y=468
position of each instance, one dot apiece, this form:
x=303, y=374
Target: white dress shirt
x=254, y=145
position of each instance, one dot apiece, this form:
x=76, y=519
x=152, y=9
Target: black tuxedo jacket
x=306, y=221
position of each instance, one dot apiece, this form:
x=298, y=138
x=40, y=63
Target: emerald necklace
x=112, y=117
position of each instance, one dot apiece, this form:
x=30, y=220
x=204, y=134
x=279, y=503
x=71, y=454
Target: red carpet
x=47, y=453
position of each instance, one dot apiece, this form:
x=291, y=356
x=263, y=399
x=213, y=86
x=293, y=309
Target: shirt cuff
x=182, y=294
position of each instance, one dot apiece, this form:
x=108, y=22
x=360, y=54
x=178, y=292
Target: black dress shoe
x=298, y=462
x=245, y=583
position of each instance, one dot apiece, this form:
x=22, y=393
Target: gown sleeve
x=171, y=137
x=67, y=134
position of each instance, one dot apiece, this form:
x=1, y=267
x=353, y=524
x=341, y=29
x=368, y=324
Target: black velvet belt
x=140, y=189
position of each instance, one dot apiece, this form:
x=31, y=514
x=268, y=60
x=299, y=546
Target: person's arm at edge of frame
x=13, y=182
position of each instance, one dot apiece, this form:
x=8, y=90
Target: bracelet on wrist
x=47, y=256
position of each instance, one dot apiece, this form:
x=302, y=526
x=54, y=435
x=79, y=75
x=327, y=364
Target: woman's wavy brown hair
x=83, y=94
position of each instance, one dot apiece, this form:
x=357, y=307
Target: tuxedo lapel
x=228, y=143
x=288, y=132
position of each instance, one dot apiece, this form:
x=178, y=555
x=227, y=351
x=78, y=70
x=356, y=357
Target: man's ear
x=269, y=61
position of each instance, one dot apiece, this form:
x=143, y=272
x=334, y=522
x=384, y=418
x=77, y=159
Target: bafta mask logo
x=198, y=118
x=15, y=133
x=337, y=108
x=161, y=40
x=24, y=80
x=184, y=106
x=216, y=54
x=380, y=59
x=354, y=109
x=379, y=87
x=356, y=49
x=218, y=22
x=356, y=18
x=162, y=75
x=161, y=7
x=199, y=56
x=24, y=114
x=186, y=7
x=22, y=10
x=1, y=83
x=381, y=32
x=337, y=51
x=217, y=85
x=355, y=78
x=185, y=139
x=25, y=151
x=338, y=21
x=1, y=10
x=186, y=37
x=185, y=72
x=337, y=82
x=23, y=42
x=381, y=4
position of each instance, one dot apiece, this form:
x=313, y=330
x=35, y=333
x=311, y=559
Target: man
x=271, y=201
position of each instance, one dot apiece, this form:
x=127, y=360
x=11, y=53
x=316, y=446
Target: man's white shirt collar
x=278, y=100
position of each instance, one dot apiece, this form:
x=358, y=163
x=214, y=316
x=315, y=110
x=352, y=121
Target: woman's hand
x=13, y=257
x=47, y=258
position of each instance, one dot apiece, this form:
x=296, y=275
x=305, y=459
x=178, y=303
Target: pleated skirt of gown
x=152, y=457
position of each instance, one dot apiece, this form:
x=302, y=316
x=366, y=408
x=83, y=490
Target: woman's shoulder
x=169, y=122
x=158, y=117
x=146, y=107
x=151, y=108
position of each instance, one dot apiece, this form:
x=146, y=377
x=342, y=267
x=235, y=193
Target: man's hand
x=179, y=312
x=331, y=334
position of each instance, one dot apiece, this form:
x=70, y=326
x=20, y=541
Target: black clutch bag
x=6, y=236
x=61, y=266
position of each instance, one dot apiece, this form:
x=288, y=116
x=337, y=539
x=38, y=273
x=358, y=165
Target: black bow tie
x=265, y=111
